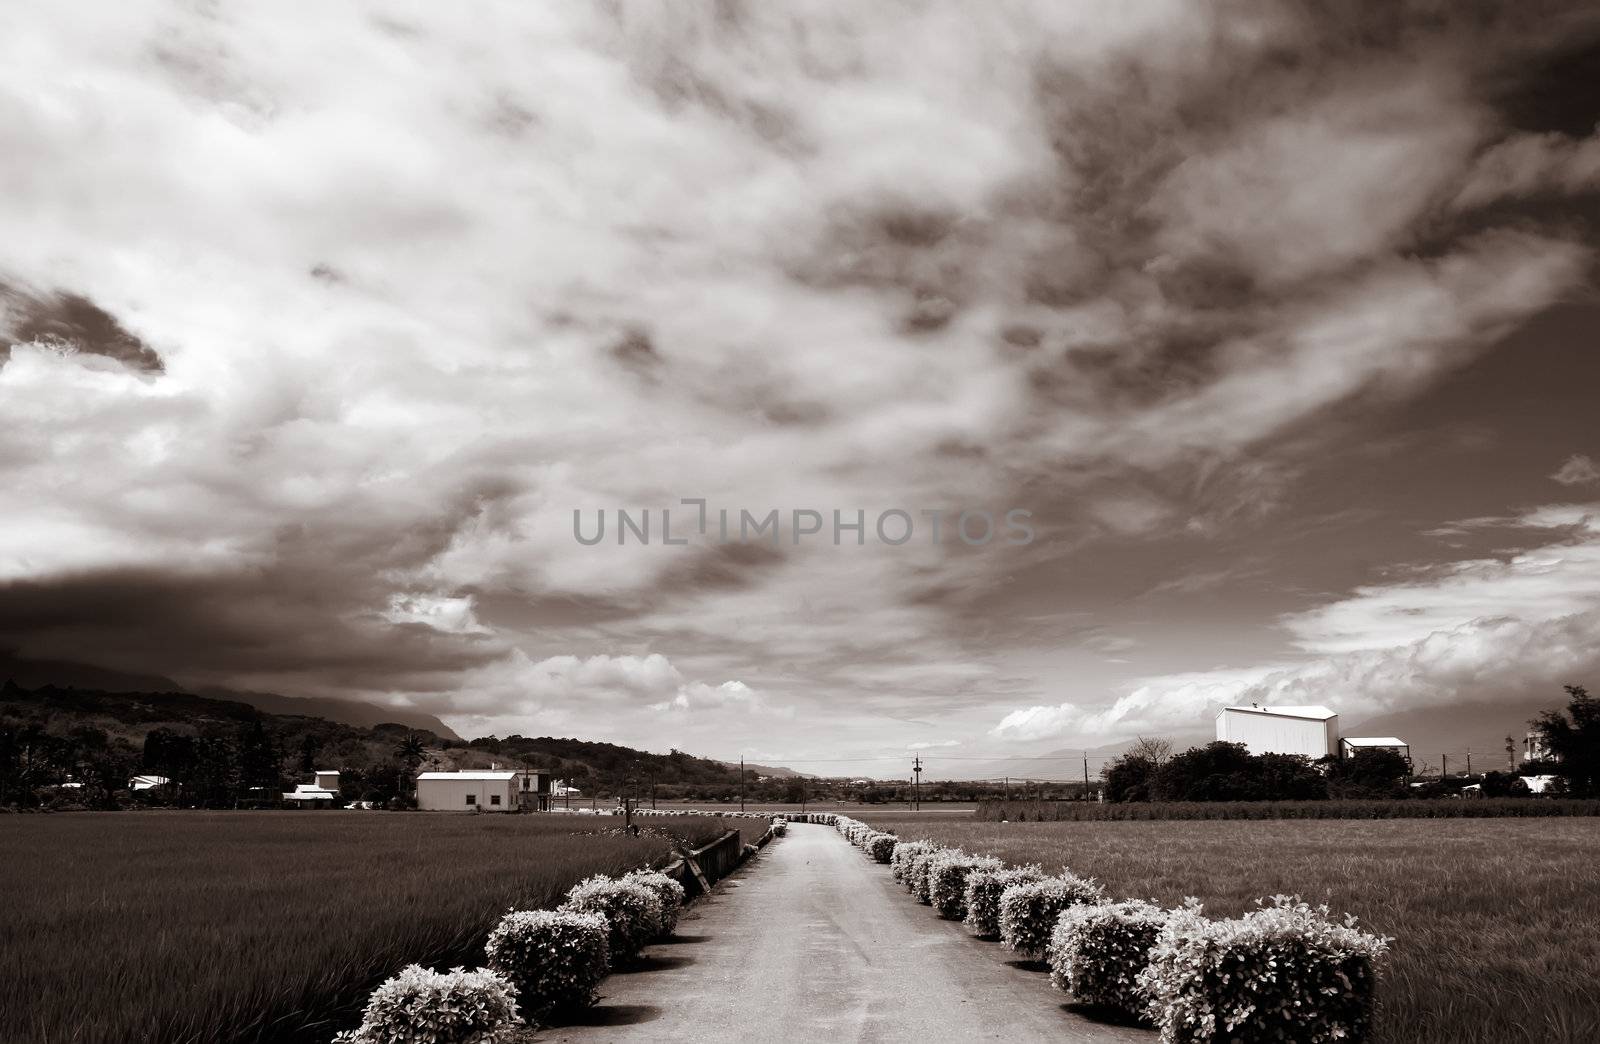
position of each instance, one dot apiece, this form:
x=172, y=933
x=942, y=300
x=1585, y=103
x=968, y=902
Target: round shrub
x=917, y=868
x=554, y=959
x=1098, y=952
x=780, y=827
x=1028, y=912
x=1284, y=972
x=984, y=888
x=880, y=846
x=947, y=880
x=668, y=891
x=631, y=910
x=901, y=854
x=454, y=1007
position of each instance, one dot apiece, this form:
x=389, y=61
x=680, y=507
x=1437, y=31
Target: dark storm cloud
x=70, y=322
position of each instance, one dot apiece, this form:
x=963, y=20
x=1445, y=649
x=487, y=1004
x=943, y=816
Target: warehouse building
x=1309, y=731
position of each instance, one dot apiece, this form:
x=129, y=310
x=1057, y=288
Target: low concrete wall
x=715, y=861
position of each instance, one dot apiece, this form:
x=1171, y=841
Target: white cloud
x=1577, y=470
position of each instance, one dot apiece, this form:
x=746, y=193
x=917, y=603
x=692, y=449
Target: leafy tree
x=260, y=764
x=169, y=753
x=1504, y=784
x=310, y=746
x=409, y=751
x=1573, y=739
x=1222, y=771
x=1128, y=777
x=1371, y=772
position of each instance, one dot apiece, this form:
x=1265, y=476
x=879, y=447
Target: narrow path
x=812, y=942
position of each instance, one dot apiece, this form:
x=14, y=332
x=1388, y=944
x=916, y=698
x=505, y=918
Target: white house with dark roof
x=1310, y=731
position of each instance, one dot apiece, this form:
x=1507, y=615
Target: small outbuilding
x=1350, y=744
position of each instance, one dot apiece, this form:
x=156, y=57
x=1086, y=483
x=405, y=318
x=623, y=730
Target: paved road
x=812, y=942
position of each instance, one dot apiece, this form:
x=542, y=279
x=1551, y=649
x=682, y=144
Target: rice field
x=1496, y=922
x=202, y=927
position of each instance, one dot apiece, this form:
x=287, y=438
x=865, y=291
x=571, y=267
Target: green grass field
x=201, y=927
x=1496, y=921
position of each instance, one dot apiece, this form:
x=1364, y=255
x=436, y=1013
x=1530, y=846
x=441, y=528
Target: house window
x=472, y=799
x=494, y=799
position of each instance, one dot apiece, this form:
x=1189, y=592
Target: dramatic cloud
x=320, y=328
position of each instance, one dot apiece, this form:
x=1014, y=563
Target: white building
x=487, y=790
x=1351, y=744
x=144, y=782
x=327, y=779
x=1311, y=731
x=309, y=795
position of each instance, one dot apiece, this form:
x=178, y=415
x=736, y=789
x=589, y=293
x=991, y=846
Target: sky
x=321, y=324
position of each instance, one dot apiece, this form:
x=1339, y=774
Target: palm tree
x=410, y=750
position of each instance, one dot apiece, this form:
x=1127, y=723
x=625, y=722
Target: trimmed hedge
x=1284, y=972
x=668, y=891
x=631, y=909
x=916, y=874
x=1409, y=808
x=419, y=1006
x=554, y=959
x=880, y=846
x=984, y=888
x=901, y=855
x=1028, y=912
x=1098, y=952
x=947, y=880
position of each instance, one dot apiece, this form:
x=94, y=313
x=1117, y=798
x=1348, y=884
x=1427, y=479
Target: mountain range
x=62, y=674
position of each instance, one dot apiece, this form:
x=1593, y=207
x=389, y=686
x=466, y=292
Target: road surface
x=810, y=941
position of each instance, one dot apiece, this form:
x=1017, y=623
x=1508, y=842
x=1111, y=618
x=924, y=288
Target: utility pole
x=1086, y=775
x=652, y=793
x=1444, y=765
x=741, y=783
x=1469, y=761
x=1008, y=788
x=1511, y=754
x=916, y=783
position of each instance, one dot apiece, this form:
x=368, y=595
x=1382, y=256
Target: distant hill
x=131, y=715
x=608, y=762
x=35, y=674
x=774, y=771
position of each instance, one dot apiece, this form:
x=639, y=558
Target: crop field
x=1496, y=922
x=220, y=926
